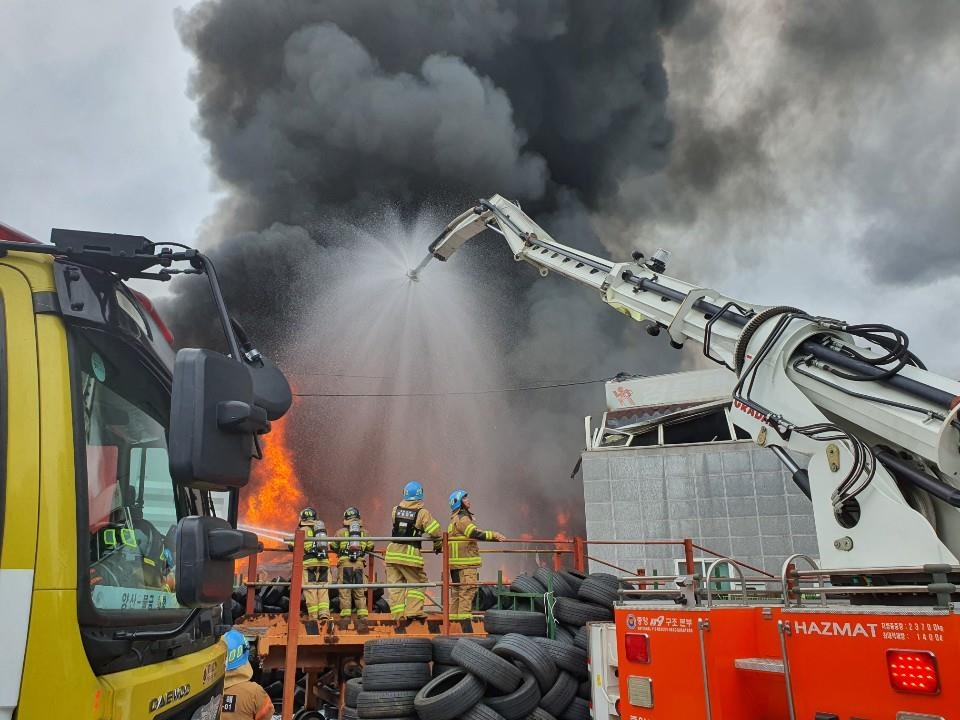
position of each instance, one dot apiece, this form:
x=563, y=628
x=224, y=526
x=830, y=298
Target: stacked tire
x=515, y=679
x=394, y=671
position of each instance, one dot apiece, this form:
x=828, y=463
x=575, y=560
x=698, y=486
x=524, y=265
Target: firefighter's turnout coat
x=463, y=535
x=410, y=519
x=244, y=699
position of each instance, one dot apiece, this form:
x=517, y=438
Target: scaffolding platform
x=321, y=645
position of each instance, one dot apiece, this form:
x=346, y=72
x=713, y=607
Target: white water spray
x=386, y=371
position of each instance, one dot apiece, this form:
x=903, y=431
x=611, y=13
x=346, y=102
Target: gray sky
x=95, y=132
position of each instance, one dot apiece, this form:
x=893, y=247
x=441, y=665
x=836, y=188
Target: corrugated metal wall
x=732, y=497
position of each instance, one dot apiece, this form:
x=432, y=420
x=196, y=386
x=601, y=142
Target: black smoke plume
x=324, y=114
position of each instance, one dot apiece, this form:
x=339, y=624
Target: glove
x=437, y=547
x=499, y=537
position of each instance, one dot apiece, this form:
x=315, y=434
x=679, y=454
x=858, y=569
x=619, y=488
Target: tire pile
x=516, y=673
x=394, y=670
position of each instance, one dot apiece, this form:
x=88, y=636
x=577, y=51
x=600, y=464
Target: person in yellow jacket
x=243, y=699
x=352, y=551
x=465, y=560
x=403, y=559
x=316, y=564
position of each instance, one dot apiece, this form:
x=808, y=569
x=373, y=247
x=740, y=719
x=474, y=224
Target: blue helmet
x=456, y=499
x=413, y=491
x=238, y=649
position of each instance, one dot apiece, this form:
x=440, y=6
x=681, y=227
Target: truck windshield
x=131, y=505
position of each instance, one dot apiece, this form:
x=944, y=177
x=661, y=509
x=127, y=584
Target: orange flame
x=274, y=495
x=557, y=557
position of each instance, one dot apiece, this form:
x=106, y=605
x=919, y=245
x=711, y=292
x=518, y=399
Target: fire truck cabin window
x=131, y=508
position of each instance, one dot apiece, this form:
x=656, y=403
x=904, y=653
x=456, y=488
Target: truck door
x=19, y=476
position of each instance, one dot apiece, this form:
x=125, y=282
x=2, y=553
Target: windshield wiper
x=159, y=634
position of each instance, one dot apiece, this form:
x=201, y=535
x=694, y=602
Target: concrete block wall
x=732, y=497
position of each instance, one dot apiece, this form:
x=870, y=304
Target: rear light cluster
x=637, y=647
x=913, y=671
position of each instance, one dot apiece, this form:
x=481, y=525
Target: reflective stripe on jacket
x=463, y=535
x=409, y=554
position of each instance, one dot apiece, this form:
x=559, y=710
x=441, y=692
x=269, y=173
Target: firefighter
x=316, y=564
x=243, y=699
x=351, y=550
x=410, y=519
x=465, y=559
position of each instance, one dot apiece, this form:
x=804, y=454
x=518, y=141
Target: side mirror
x=206, y=550
x=213, y=420
x=270, y=388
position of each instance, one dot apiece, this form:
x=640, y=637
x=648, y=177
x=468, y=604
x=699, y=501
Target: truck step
x=767, y=665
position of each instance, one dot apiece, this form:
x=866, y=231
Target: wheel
x=560, y=695
x=449, y=695
x=502, y=622
x=519, y=648
x=598, y=591
x=398, y=650
x=500, y=673
x=576, y=612
x=385, y=703
x=519, y=703
x=352, y=690
x=396, y=676
x=443, y=646
x=567, y=657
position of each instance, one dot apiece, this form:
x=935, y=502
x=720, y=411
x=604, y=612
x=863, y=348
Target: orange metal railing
x=576, y=550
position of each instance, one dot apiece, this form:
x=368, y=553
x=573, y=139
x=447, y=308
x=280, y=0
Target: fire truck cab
x=113, y=567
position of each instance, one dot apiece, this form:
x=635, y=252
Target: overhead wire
x=449, y=393
x=296, y=373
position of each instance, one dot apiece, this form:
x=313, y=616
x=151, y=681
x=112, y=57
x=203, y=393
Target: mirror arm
x=229, y=325
x=211, y=272
x=233, y=507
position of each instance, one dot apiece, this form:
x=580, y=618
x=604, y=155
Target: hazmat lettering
x=826, y=628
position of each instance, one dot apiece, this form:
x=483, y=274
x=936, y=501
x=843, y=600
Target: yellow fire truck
x=113, y=566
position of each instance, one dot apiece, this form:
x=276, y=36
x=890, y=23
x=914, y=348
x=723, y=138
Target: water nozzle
x=414, y=274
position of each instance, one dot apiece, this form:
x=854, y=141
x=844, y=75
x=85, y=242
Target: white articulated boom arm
x=881, y=431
